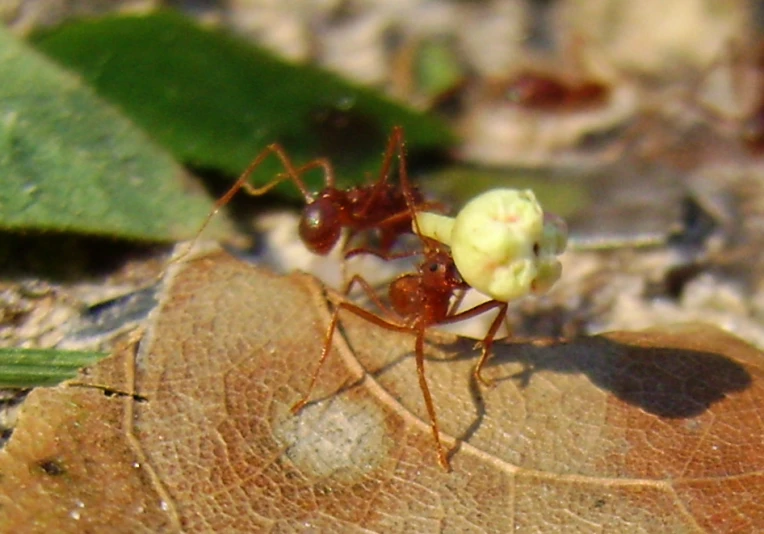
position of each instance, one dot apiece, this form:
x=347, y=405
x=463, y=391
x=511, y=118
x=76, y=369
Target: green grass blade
x=27, y=368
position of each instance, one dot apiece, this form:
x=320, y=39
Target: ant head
x=320, y=226
x=438, y=270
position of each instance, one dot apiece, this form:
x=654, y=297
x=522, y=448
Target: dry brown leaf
x=656, y=431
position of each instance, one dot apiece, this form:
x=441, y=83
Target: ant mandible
x=379, y=206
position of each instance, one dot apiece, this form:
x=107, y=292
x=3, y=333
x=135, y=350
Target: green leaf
x=70, y=162
x=27, y=368
x=215, y=101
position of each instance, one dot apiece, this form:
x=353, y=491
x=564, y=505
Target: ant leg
x=387, y=256
x=406, y=214
x=349, y=236
x=488, y=339
x=487, y=344
x=243, y=182
x=324, y=354
x=357, y=310
x=329, y=176
x=370, y=293
x=389, y=227
x=395, y=144
x=406, y=187
x=457, y=302
x=442, y=458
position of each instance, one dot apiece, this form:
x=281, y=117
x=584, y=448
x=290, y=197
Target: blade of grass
x=27, y=368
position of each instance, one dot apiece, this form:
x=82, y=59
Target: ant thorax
x=425, y=296
x=355, y=197
x=405, y=297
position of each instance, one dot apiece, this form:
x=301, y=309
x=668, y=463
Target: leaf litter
x=658, y=430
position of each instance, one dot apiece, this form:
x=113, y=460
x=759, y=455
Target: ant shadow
x=671, y=383
x=667, y=382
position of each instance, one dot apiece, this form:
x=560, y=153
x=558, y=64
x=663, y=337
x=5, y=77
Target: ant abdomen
x=320, y=226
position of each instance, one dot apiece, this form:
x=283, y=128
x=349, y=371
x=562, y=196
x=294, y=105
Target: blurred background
x=642, y=123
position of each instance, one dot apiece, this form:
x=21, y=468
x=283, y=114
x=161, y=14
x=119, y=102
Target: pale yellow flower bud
x=502, y=242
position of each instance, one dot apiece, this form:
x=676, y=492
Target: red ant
x=417, y=301
x=540, y=92
x=379, y=206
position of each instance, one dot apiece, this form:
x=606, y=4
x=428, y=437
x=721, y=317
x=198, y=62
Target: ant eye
x=536, y=249
x=433, y=267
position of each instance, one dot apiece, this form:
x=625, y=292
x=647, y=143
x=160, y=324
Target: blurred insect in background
x=545, y=93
